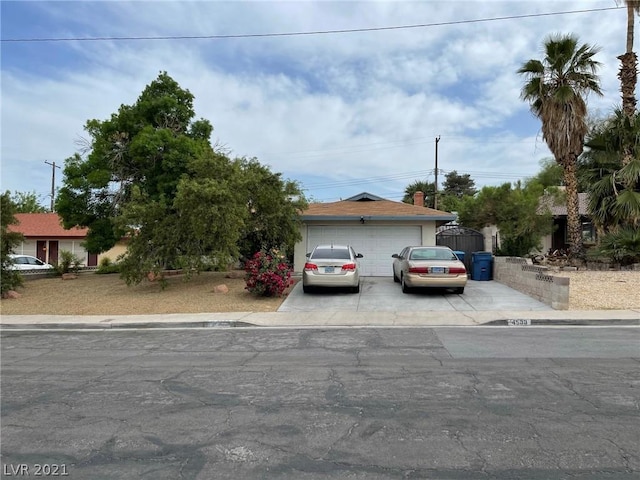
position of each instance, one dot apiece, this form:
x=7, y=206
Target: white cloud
x=346, y=107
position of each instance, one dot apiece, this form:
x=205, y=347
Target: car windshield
x=331, y=253
x=432, y=254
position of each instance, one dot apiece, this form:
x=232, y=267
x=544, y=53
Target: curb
x=123, y=326
x=560, y=322
x=515, y=322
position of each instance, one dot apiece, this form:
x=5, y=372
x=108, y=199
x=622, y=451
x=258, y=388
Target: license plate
x=328, y=269
x=437, y=269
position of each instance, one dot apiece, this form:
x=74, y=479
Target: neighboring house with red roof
x=45, y=238
x=374, y=226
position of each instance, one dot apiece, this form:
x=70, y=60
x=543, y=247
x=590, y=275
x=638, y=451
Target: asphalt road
x=398, y=403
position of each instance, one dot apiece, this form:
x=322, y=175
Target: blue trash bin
x=460, y=255
x=482, y=266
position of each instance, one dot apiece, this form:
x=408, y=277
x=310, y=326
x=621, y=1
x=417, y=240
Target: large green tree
x=458, y=185
x=27, y=202
x=152, y=175
x=9, y=279
x=514, y=210
x=556, y=88
x=274, y=206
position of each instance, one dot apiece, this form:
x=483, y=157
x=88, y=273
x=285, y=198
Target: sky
x=341, y=113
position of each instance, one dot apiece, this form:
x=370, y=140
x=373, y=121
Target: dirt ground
x=93, y=294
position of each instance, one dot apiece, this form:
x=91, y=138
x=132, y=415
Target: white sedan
x=27, y=262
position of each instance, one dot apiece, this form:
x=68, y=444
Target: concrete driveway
x=381, y=294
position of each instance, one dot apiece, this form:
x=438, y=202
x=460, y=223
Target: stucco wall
x=533, y=280
x=29, y=247
x=428, y=232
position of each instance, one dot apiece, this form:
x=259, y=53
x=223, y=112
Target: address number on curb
x=519, y=322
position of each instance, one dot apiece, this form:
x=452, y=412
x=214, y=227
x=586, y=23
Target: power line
x=292, y=34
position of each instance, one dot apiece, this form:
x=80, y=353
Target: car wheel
x=356, y=289
x=395, y=278
x=460, y=290
x=306, y=289
x=403, y=284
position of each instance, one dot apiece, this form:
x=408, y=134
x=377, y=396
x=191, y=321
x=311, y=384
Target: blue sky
x=340, y=113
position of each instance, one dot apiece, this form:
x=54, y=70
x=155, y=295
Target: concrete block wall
x=533, y=280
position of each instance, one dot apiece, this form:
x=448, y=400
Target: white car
x=332, y=266
x=27, y=262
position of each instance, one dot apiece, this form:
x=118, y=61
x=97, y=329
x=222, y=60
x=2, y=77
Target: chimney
x=418, y=198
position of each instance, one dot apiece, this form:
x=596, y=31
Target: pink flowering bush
x=268, y=273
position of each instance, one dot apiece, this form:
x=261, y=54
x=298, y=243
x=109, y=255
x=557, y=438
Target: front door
x=41, y=250
x=53, y=252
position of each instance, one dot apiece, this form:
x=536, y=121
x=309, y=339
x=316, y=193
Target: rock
x=235, y=274
x=11, y=294
x=69, y=276
x=222, y=288
x=152, y=277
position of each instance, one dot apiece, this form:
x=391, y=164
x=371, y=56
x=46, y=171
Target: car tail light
x=457, y=270
x=349, y=267
x=419, y=270
x=310, y=266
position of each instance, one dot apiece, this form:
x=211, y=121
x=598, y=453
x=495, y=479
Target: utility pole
x=435, y=195
x=53, y=181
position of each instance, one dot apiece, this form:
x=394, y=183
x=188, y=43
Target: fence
x=533, y=280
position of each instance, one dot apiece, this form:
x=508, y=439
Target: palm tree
x=556, y=88
x=628, y=74
x=428, y=188
x=614, y=192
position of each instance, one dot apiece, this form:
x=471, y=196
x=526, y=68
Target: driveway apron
x=382, y=294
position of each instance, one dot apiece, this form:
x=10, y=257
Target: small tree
x=9, y=278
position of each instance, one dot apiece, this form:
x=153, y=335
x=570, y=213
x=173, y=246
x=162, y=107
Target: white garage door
x=375, y=243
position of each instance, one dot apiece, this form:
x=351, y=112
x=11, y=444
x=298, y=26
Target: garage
x=376, y=227
x=375, y=242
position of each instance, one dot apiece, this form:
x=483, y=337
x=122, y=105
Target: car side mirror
x=308, y=255
x=395, y=255
x=359, y=255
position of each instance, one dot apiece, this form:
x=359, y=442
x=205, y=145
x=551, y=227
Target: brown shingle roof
x=373, y=209
x=44, y=225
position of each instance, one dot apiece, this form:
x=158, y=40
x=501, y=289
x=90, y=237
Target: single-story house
x=45, y=238
x=374, y=226
x=558, y=239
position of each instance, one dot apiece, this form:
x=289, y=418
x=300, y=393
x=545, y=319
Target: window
x=588, y=232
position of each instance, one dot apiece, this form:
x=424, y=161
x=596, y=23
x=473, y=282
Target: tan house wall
x=113, y=253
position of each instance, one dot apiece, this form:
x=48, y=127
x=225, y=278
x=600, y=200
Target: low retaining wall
x=536, y=281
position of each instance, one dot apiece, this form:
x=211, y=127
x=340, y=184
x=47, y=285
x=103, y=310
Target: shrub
x=68, y=263
x=107, y=266
x=622, y=246
x=268, y=273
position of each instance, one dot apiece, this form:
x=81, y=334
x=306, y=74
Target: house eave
x=392, y=218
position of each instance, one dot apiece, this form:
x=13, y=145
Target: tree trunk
x=574, y=230
x=628, y=76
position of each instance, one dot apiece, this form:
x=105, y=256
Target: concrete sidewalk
x=324, y=319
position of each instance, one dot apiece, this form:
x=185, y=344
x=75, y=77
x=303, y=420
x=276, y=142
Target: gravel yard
x=603, y=290
x=92, y=294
